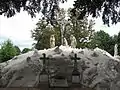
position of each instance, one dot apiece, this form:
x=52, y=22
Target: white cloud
x=18, y=26
x=18, y=29
x=67, y=4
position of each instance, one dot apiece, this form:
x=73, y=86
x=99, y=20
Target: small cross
x=75, y=58
x=44, y=58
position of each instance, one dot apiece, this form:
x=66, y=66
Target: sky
x=18, y=28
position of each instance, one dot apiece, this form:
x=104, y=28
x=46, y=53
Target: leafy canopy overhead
x=110, y=8
x=10, y=7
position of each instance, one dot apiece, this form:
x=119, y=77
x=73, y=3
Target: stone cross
x=44, y=58
x=76, y=76
x=75, y=58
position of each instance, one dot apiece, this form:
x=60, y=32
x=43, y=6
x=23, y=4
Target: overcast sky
x=18, y=27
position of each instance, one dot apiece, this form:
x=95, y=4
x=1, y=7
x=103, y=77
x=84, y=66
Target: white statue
x=65, y=43
x=73, y=41
x=35, y=52
x=52, y=41
x=115, y=50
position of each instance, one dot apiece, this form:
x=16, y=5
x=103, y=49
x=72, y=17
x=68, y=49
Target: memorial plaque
x=75, y=79
x=59, y=83
x=43, y=78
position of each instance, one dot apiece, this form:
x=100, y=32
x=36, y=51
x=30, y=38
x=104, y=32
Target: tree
x=10, y=7
x=7, y=51
x=17, y=50
x=82, y=30
x=61, y=23
x=118, y=42
x=95, y=7
x=48, y=7
x=104, y=41
x=44, y=30
x=118, y=38
x=25, y=50
x=42, y=34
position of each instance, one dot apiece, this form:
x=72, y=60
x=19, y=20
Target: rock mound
x=98, y=68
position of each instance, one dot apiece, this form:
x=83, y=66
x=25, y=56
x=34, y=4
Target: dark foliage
x=10, y=7
x=48, y=7
x=25, y=50
x=110, y=10
x=42, y=34
x=18, y=51
x=118, y=42
x=7, y=51
x=104, y=41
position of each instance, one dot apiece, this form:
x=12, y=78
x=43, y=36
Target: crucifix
x=43, y=75
x=62, y=22
x=75, y=74
x=75, y=58
x=44, y=58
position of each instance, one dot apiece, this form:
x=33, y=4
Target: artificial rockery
x=59, y=66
